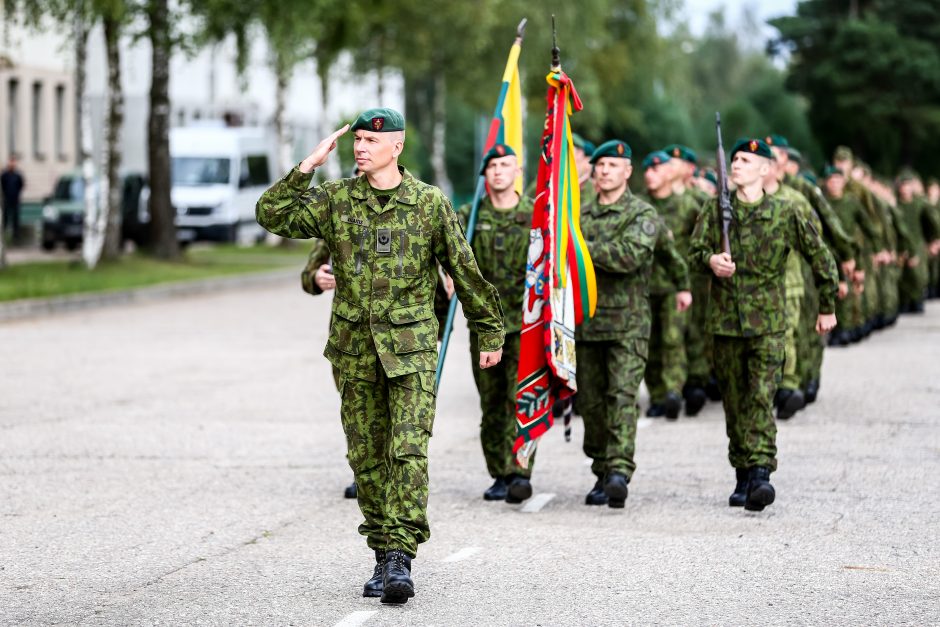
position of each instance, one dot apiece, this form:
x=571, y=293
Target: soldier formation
x=699, y=312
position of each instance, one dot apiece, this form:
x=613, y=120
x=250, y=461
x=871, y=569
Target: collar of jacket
x=621, y=204
x=407, y=191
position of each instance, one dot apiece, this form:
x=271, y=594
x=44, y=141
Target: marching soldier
x=670, y=294
x=621, y=232
x=746, y=311
x=500, y=244
x=921, y=229
x=385, y=230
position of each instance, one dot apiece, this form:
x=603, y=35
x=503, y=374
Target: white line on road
x=356, y=618
x=462, y=554
x=538, y=502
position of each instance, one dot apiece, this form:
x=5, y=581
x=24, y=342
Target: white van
x=218, y=174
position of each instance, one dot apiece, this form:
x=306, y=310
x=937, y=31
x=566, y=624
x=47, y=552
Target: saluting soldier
x=746, y=311
x=385, y=230
x=500, y=244
x=620, y=230
x=670, y=293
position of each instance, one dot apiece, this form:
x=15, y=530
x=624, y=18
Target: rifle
x=724, y=197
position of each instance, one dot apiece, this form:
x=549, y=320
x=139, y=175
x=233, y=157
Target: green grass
x=58, y=278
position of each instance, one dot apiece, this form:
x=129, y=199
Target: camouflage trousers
x=809, y=343
x=609, y=375
x=388, y=425
x=698, y=341
x=497, y=388
x=667, y=363
x=914, y=281
x=748, y=371
x=888, y=285
x=871, y=297
x=791, y=372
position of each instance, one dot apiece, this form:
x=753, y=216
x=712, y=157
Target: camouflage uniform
x=667, y=364
x=921, y=229
x=809, y=343
x=747, y=314
x=500, y=244
x=612, y=346
x=698, y=341
x=383, y=333
x=850, y=311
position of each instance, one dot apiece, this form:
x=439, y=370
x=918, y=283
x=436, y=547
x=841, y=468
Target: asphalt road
x=182, y=462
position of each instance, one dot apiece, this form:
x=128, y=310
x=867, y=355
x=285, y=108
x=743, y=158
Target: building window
x=13, y=99
x=37, y=122
x=60, y=122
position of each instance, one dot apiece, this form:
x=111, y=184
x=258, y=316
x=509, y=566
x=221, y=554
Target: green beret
x=577, y=140
x=778, y=141
x=612, y=148
x=711, y=175
x=678, y=151
x=497, y=151
x=906, y=174
x=589, y=148
x=754, y=146
x=381, y=120
x=795, y=155
x=809, y=176
x=656, y=157
x=831, y=170
x=842, y=153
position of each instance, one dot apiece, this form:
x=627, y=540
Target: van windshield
x=69, y=188
x=200, y=171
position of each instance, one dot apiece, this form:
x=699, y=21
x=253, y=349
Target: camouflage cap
x=831, y=170
x=497, y=151
x=380, y=120
x=754, y=146
x=655, y=158
x=842, y=153
x=778, y=141
x=613, y=148
x=678, y=151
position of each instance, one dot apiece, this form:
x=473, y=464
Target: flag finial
x=556, y=53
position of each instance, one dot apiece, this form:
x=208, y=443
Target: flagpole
x=471, y=225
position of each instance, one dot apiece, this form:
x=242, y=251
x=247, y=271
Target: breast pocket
x=414, y=251
x=766, y=244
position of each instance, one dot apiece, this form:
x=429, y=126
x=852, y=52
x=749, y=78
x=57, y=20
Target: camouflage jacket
x=793, y=280
x=864, y=231
x=919, y=223
x=841, y=244
x=873, y=213
x=752, y=301
x=384, y=263
x=501, y=244
x=678, y=213
x=621, y=239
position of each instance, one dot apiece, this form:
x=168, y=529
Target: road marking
x=356, y=618
x=462, y=554
x=538, y=502
x=643, y=423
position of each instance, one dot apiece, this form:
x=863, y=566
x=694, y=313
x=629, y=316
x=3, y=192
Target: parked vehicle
x=218, y=174
x=63, y=213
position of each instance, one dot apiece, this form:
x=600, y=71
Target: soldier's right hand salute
x=318, y=157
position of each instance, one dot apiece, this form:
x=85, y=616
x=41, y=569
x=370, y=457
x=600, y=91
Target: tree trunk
x=112, y=238
x=93, y=228
x=333, y=168
x=162, y=214
x=438, y=135
x=282, y=80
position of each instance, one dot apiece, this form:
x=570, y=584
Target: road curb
x=32, y=307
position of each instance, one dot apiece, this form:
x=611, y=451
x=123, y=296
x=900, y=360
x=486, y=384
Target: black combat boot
x=397, y=586
x=789, y=402
x=812, y=390
x=351, y=491
x=760, y=493
x=712, y=389
x=497, y=491
x=739, y=496
x=656, y=410
x=695, y=399
x=373, y=587
x=672, y=405
x=596, y=496
x=615, y=487
x=518, y=490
